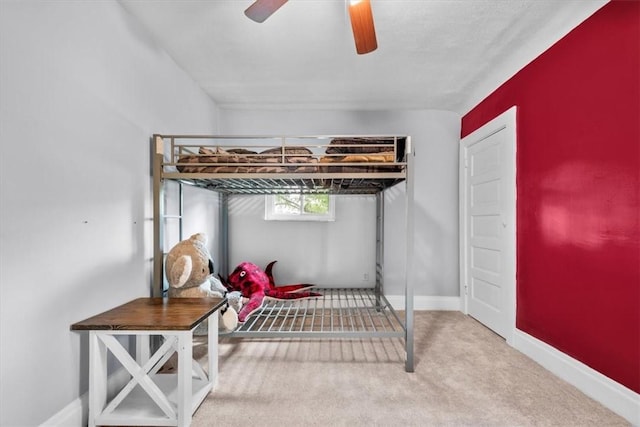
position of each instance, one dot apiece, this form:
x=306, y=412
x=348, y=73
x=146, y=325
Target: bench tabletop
x=153, y=314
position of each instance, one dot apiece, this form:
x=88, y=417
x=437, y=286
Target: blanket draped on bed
x=342, y=155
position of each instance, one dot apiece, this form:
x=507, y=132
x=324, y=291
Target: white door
x=487, y=224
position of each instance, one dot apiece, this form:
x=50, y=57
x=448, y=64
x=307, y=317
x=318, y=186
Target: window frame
x=271, y=215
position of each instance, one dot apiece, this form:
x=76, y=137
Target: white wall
x=435, y=135
x=335, y=253
x=82, y=90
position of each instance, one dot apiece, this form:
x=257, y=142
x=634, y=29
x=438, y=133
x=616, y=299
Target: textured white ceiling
x=432, y=54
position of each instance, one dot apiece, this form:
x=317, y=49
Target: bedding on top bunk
x=359, y=155
x=240, y=160
x=366, y=152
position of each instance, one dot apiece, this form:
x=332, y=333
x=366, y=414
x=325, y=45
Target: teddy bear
x=189, y=271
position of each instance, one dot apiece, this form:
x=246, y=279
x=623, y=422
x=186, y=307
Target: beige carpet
x=465, y=375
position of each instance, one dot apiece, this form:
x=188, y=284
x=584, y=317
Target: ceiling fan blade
x=364, y=33
x=262, y=9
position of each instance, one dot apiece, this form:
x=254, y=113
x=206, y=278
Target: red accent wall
x=578, y=189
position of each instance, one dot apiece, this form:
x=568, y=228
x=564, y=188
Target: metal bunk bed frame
x=340, y=312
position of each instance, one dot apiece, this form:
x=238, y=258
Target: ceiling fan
x=364, y=33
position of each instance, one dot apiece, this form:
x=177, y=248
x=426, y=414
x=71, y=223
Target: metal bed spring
x=338, y=313
x=290, y=183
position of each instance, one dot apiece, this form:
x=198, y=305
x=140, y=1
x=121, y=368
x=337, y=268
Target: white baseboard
x=426, y=303
x=76, y=413
x=611, y=394
x=72, y=415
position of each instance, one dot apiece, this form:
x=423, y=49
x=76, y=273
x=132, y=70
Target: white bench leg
x=213, y=349
x=185, y=357
x=97, y=377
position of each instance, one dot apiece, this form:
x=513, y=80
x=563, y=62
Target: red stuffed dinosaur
x=257, y=285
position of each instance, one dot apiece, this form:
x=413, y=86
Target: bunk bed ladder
x=159, y=286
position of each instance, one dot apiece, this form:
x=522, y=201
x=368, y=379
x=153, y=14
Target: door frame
x=504, y=122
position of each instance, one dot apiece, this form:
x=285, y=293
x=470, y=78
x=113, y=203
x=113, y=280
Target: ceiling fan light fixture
x=364, y=32
x=260, y=10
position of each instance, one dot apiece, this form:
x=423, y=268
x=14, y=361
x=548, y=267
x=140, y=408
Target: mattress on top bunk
x=352, y=155
x=363, y=154
x=367, y=145
x=241, y=160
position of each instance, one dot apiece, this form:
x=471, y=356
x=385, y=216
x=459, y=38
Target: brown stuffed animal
x=189, y=270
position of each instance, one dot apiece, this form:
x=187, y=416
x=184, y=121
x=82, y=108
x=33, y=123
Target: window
x=300, y=207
